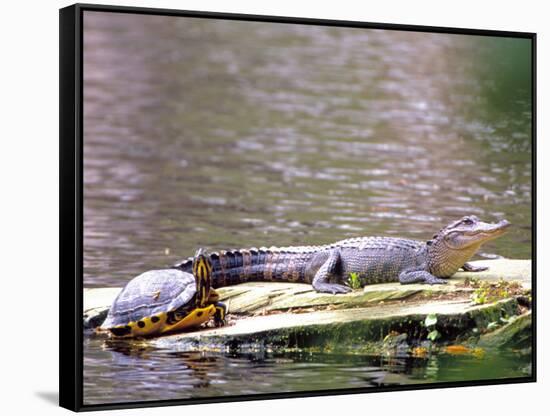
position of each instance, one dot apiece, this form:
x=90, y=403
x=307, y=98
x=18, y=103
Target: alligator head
x=455, y=244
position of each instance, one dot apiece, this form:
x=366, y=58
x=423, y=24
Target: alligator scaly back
x=300, y=264
x=372, y=259
x=258, y=264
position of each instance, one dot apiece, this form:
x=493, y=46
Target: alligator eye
x=468, y=221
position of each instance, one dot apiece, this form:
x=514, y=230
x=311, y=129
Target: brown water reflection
x=236, y=134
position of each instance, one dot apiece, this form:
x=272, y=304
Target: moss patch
x=515, y=334
x=485, y=291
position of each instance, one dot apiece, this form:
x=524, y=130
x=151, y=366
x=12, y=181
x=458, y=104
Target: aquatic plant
x=429, y=323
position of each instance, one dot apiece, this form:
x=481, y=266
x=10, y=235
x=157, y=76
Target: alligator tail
x=264, y=264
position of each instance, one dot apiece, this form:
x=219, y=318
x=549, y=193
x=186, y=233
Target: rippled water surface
x=149, y=374
x=236, y=134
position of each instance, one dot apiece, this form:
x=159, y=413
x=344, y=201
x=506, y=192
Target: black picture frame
x=71, y=201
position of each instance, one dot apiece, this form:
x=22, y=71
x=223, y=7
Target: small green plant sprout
x=487, y=291
x=429, y=323
x=492, y=325
x=433, y=335
x=430, y=320
x=354, y=281
x=479, y=297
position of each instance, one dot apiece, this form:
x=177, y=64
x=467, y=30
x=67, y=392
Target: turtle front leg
x=221, y=308
x=467, y=267
x=219, y=315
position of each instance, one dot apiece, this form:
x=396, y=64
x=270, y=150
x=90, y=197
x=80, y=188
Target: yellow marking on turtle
x=195, y=318
x=149, y=327
x=202, y=270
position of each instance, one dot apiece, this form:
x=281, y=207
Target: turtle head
x=202, y=270
x=455, y=244
x=202, y=265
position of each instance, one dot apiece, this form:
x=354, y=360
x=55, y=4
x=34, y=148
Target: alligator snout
x=504, y=224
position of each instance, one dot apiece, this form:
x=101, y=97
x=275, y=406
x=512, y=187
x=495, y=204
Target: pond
x=220, y=134
x=148, y=374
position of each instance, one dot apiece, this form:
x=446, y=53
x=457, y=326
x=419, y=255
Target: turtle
x=168, y=300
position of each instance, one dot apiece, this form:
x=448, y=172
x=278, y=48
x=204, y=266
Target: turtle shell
x=151, y=293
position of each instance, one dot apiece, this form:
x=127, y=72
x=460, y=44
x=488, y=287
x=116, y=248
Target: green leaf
x=478, y=297
x=431, y=320
x=354, y=281
x=508, y=320
x=432, y=336
x=492, y=325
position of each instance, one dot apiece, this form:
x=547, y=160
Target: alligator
x=371, y=260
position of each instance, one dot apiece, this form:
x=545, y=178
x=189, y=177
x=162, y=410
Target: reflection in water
x=140, y=373
x=236, y=134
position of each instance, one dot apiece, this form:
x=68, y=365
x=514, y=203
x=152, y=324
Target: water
x=238, y=134
x=144, y=373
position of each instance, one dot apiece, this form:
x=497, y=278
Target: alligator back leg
x=327, y=270
x=419, y=276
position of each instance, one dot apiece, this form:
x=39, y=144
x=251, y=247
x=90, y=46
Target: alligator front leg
x=328, y=269
x=419, y=276
x=467, y=267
